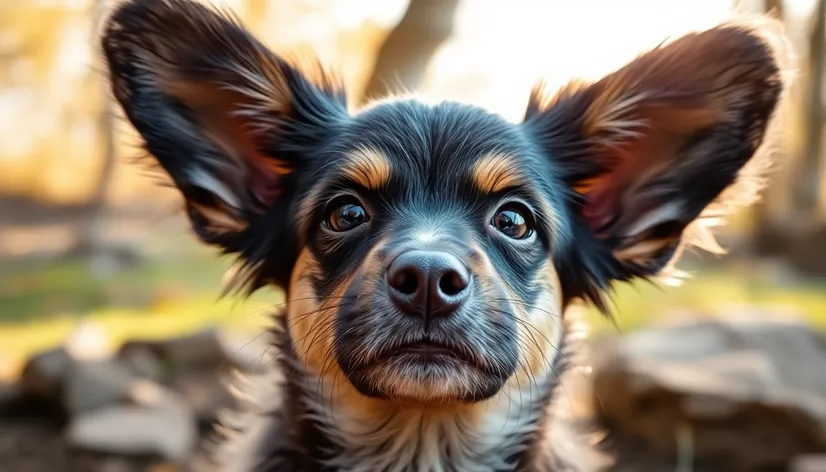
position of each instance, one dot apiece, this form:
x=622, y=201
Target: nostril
x=405, y=282
x=452, y=283
x=427, y=283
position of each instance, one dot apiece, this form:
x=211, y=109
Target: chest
x=494, y=437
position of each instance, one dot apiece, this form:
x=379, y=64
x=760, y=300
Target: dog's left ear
x=647, y=148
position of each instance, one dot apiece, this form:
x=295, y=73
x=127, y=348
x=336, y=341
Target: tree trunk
x=405, y=54
x=774, y=213
x=791, y=224
x=89, y=237
x=89, y=233
x=812, y=168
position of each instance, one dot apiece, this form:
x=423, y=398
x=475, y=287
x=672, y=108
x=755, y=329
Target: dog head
x=428, y=251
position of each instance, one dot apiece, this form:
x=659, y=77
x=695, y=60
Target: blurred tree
x=89, y=242
x=89, y=238
x=773, y=214
x=403, y=58
x=791, y=223
x=775, y=7
x=812, y=167
x=89, y=233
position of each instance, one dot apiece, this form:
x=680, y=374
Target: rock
x=205, y=392
x=97, y=384
x=746, y=386
x=200, y=349
x=44, y=374
x=166, y=430
x=205, y=349
x=9, y=395
x=77, y=386
x=809, y=463
x=142, y=361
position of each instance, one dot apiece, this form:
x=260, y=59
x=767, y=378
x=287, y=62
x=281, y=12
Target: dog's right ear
x=232, y=124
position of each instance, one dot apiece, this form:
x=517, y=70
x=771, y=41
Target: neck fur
x=369, y=435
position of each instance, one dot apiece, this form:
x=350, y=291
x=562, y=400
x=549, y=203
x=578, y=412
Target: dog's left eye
x=513, y=222
x=346, y=214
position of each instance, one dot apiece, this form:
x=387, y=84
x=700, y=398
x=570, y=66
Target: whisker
x=531, y=328
x=298, y=318
x=554, y=316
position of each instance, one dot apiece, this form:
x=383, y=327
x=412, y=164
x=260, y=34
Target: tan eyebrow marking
x=495, y=172
x=368, y=168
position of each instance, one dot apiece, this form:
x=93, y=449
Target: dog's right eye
x=345, y=214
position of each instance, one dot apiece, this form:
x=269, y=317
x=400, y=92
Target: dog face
x=427, y=263
x=428, y=251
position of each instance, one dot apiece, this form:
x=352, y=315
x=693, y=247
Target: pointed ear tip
x=117, y=15
x=767, y=33
x=116, y=10
x=123, y=13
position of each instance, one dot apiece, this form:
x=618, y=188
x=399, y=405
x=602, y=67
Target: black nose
x=428, y=283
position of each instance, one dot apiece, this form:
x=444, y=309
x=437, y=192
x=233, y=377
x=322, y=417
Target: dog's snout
x=428, y=283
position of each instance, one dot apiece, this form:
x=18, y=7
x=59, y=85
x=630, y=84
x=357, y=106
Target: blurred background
x=107, y=302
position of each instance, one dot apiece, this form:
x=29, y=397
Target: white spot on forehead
x=426, y=236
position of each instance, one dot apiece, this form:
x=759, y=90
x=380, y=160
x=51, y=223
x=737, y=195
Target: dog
x=429, y=252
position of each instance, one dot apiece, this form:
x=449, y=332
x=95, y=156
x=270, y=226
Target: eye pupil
x=346, y=216
x=512, y=223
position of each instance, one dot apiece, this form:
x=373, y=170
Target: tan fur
x=310, y=322
x=496, y=172
x=369, y=168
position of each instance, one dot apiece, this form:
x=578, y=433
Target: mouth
x=426, y=372
x=427, y=352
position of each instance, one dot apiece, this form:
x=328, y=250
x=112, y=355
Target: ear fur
x=232, y=124
x=654, y=150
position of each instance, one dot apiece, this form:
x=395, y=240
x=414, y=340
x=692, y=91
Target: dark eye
x=346, y=214
x=513, y=222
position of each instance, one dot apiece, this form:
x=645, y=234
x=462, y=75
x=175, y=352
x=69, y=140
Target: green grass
x=177, y=292
x=715, y=292
x=33, y=290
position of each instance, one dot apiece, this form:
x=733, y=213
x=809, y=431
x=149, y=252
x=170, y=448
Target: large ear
x=647, y=149
x=231, y=123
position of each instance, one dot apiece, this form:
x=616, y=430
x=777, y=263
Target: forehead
x=415, y=159
x=410, y=159
x=434, y=148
